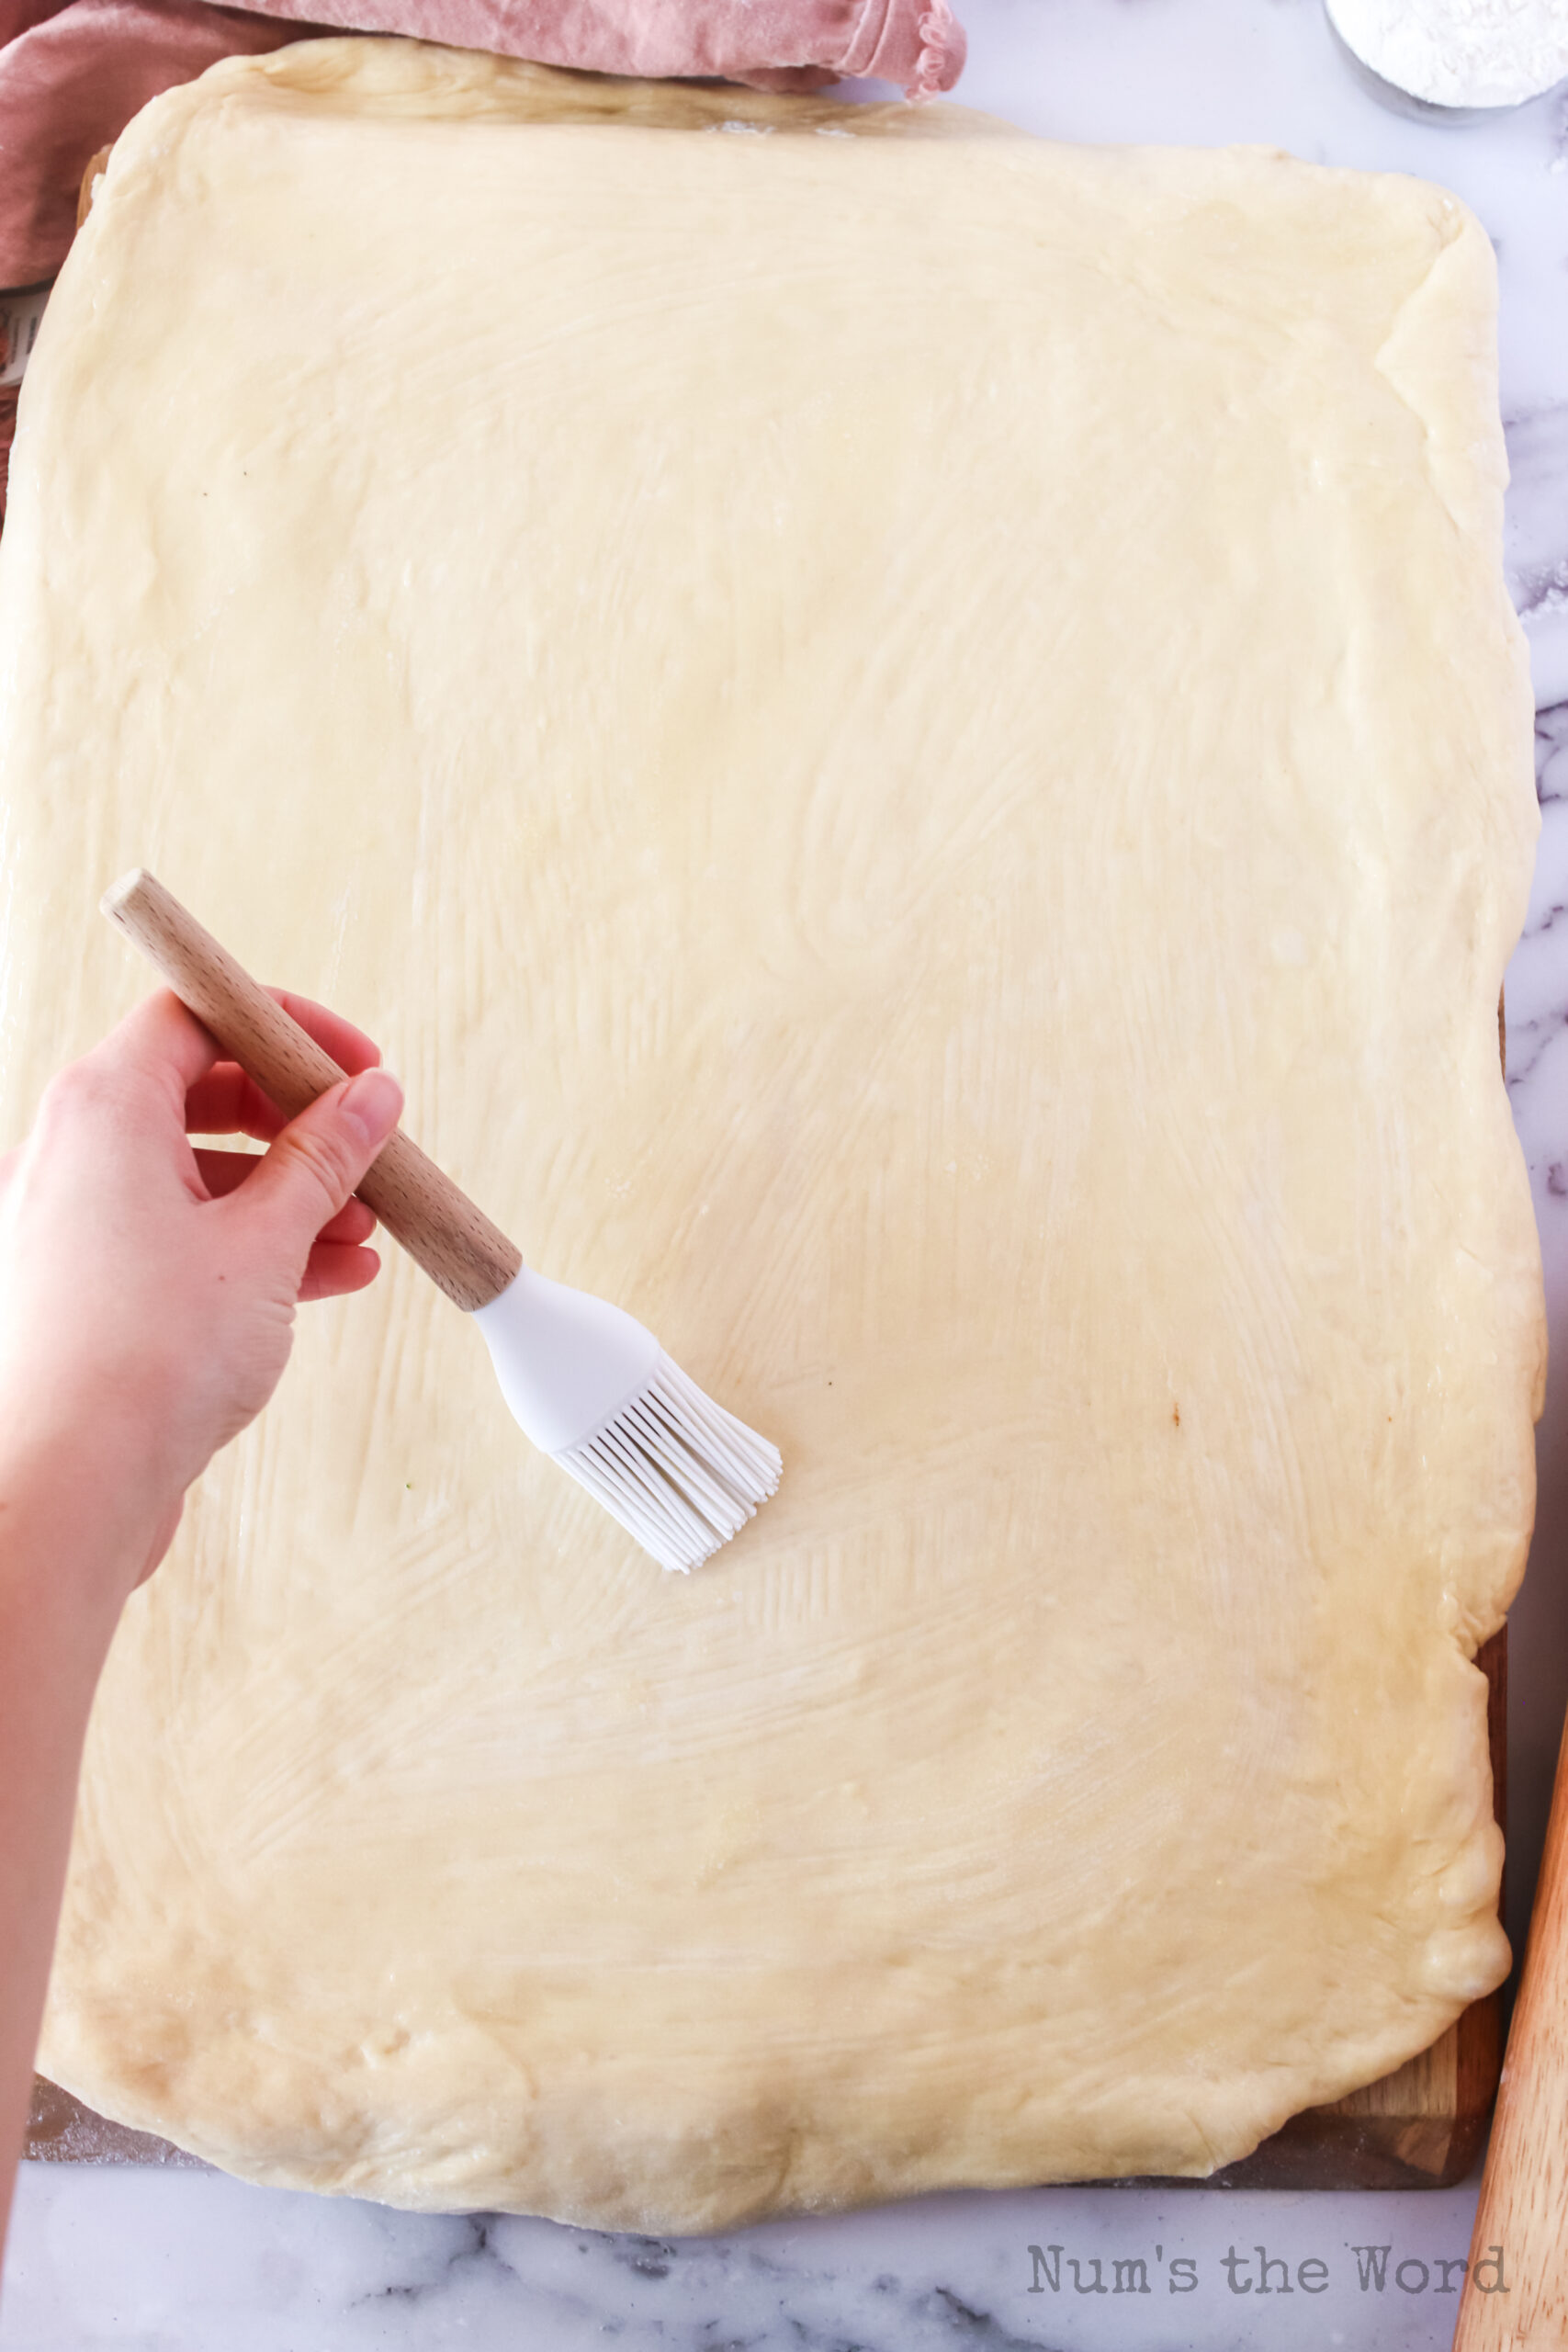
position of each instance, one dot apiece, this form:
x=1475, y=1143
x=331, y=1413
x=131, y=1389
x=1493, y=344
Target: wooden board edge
x=1424, y=2125
x=90, y=179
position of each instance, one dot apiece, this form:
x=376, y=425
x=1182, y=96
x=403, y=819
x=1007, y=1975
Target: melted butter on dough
x=913, y=743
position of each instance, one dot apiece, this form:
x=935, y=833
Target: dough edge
x=433, y=79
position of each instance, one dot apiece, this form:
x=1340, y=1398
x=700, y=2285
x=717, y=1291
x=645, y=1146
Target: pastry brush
x=587, y=1383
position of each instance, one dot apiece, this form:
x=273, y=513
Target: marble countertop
x=165, y=2260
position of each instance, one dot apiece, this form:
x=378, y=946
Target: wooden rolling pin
x=1521, y=2223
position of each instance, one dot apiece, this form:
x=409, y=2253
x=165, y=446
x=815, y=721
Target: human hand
x=148, y=1288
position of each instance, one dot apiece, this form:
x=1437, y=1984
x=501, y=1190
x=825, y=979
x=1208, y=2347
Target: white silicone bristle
x=681, y=1473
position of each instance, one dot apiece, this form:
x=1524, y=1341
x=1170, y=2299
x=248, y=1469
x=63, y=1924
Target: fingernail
x=374, y=1100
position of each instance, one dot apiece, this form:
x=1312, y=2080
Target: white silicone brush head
x=596, y=1391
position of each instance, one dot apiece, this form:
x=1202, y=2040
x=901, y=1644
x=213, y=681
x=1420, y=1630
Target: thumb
x=308, y=1171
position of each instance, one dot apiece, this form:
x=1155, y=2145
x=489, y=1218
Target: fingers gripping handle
x=460, y=1249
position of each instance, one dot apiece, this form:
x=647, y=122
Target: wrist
x=76, y=1526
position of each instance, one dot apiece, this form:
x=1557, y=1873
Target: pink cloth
x=73, y=75
x=774, y=43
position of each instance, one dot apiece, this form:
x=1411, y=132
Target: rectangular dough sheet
x=912, y=740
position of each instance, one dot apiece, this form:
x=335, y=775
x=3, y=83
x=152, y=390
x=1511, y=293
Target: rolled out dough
x=913, y=742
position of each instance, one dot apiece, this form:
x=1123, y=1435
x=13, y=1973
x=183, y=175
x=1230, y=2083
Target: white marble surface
x=189, y=2262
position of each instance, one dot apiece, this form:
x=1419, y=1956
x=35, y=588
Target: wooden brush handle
x=439, y=1226
x=1524, y=2194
